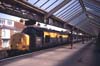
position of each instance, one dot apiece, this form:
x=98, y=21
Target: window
x=51, y=21
x=47, y=38
x=5, y=33
x=6, y=22
x=9, y=23
x=5, y=43
x=2, y=21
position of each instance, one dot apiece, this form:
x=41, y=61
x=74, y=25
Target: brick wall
x=18, y=25
x=0, y=39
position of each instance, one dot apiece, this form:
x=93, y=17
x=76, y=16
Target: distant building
x=8, y=28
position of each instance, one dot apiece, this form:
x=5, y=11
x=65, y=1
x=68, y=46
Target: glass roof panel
x=73, y=2
x=32, y=1
x=46, y=5
x=74, y=9
x=65, y=13
x=91, y=6
x=93, y=11
x=41, y=3
x=78, y=19
x=72, y=15
x=73, y=12
x=68, y=10
x=55, y=3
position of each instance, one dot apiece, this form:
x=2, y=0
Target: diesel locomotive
x=32, y=38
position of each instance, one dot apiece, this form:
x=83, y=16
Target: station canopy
x=83, y=14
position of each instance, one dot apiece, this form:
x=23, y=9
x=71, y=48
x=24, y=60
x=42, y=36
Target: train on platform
x=32, y=38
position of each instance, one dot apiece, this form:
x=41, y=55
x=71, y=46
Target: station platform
x=79, y=55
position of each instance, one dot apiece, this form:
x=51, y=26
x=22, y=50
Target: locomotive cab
x=19, y=41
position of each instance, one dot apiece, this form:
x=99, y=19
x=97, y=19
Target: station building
x=7, y=29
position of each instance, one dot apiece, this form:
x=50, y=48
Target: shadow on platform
x=85, y=57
